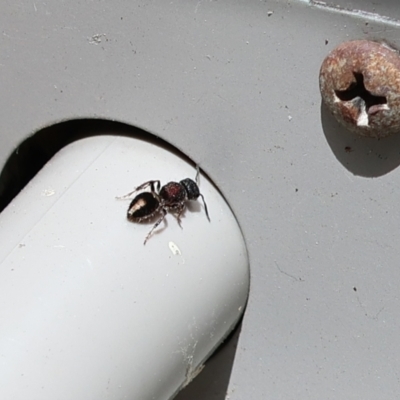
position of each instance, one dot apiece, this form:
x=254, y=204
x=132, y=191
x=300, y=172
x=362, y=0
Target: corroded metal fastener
x=360, y=84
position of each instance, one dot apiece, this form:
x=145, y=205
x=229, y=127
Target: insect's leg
x=141, y=187
x=197, y=181
x=149, y=183
x=164, y=213
x=179, y=210
x=205, y=207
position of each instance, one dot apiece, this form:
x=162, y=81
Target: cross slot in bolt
x=370, y=74
x=358, y=89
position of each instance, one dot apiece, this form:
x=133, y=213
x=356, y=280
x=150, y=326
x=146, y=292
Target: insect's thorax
x=173, y=193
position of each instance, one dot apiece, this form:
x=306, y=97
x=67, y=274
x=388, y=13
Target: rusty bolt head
x=360, y=85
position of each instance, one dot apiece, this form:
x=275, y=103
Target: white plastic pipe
x=87, y=312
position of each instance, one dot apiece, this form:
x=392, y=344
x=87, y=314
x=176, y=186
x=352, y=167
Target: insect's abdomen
x=173, y=193
x=143, y=206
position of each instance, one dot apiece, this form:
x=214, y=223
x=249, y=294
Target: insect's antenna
x=205, y=207
x=197, y=174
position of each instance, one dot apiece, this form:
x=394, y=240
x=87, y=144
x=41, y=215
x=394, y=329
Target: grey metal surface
x=236, y=88
x=386, y=8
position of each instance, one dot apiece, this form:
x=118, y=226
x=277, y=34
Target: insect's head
x=192, y=190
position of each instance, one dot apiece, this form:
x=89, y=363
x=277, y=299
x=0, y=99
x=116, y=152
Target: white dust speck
x=48, y=192
x=174, y=249
x=96, y=39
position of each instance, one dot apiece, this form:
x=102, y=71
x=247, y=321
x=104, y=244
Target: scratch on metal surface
x=298, y=279
x=197, y=6
x=374, y=316
x=188, y=353
x=353, y=13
